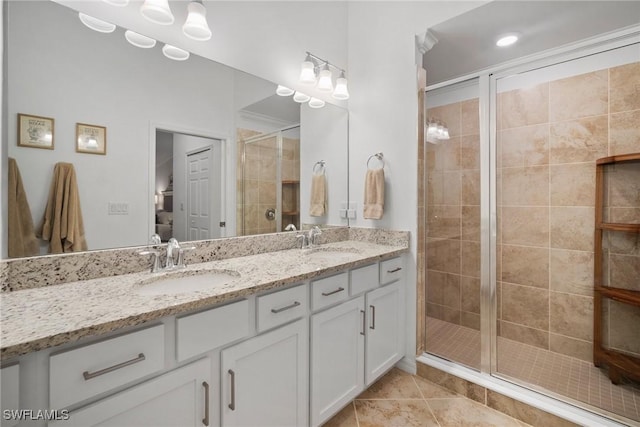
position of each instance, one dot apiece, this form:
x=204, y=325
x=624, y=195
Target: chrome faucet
x=171, y=246
x=170, y=263
x=313, y=236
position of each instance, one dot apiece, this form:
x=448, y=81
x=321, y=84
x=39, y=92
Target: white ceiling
x=466, y=43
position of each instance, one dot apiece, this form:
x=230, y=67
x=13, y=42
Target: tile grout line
x=424, y=399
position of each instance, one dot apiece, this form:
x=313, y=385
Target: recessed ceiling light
x=507, y=40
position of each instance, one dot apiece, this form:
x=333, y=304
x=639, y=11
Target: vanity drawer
x=84, y=372
x=329, y=291
x=391, y=270
x=201, y=332
x=281, y=307
x=364, y=279
x=10, y=391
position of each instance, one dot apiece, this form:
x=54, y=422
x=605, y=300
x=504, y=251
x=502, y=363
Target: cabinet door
x=385, y=324
x=266, y=379
x=337, y=358
x=178, y=398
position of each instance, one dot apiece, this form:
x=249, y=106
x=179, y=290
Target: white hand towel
x=318, y=195
x=374, y=194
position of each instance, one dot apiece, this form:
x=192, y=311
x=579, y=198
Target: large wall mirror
x=194, y=149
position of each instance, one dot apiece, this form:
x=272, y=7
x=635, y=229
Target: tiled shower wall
x=549, y=137
x=453, y=217
x=260, y=186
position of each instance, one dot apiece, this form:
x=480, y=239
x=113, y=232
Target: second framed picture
x=91, y=139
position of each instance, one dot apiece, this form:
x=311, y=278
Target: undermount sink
x=330, y=254
x=182, y=282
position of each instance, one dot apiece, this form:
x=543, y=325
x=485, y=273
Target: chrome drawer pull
x=88, y=375
x=363, y=320
x=395, y=270
x=280, y=310
x=205, y=420
x=373, y=317
x=326, y=294
x=232, y=405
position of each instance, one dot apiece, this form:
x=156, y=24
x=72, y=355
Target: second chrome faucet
x=173, y=247
x=309, y=240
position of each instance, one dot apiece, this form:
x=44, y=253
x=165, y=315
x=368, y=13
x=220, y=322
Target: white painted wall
x=383, y=113
x=323, y=134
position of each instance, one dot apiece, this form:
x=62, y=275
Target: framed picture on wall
x=35, y=131
x=91, y=139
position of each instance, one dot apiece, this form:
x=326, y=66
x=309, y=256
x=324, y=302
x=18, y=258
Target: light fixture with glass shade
x=436, y=131
x=301, y=97
x=175, y=53
x=196, y=27
x=119, y=3
x=157, y=11
x=284, y=91
x=96, y=24
x=507, y=39
x=138, y=40
x=325, y=84
x=341, y=92
x=307, y=70
x=316, y=103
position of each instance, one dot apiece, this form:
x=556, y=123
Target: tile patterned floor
x=399, y=399
x=567, y=376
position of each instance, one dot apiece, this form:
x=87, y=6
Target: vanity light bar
x=315, y=70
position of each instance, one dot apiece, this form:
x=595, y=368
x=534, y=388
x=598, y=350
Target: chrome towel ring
x=318, y=166
x=378, y=156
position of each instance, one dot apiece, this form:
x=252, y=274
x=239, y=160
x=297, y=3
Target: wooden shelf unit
x=619, y=364
x=291, y=191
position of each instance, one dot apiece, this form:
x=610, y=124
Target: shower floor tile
x=564, y=375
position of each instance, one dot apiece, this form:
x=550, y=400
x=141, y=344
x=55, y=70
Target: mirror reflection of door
x=188, y=189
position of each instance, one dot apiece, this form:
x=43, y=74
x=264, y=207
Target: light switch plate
x=118, y=208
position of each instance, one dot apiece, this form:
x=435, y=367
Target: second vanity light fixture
x=315, y=70
x=436, y=131
x=195, y=26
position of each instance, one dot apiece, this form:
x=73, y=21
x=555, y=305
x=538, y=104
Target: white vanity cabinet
x=265, y=379
x=9, y=392
x=178, y=398
x=355, y=342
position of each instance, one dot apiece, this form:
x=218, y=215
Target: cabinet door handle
x=232, y=405
x=363, y=325
x=88, y=375
x=373, y=317
x=280, y=310
x=205, y=420
x=395, y=270
x=326, y=294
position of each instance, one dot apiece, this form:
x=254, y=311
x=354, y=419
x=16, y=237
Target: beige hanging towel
x=374, y=194
x=21, y=234
x=318, y=195
x=62, y=224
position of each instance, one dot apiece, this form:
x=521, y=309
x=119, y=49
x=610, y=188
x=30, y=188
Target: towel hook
x=378, y=156
x=320, y=163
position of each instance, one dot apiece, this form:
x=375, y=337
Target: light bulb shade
x=301, y=97
x=96, y=24
x=341, y=92
x=195, y=27
x=284, y=91
x=157, y=11
x=119, y=3
x=307, y=73
x=433, y=128
x=175, y=53
x=316, y=103
x=324, y=83
x=445, y=134
x=138, y=40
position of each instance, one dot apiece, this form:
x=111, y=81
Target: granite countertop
x=35, y=319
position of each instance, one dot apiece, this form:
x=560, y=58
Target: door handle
x=88, y=375
x=232, y=405
x=373, y=317
x=363, y=320
x=326, y=294
x=205, y=420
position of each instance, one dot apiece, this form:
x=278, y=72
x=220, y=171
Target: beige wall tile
x=624, y=87
x=470, y=191
x=444, y=156
x=624, y=133
x=579, y=96
x=471, y=223
x=525, y=266
x=627, y=215
x=525, y=226
x=572, y=228
x=571, y=272
x=621, y=243
x=624, y=323
x=470, y=122
x=582, y=140
x=443, y=255
x=521, y=186
x=452, y=291
x=571, y=347
x=443, y=188
x=524, y=146
x=524, y=412
x=470, y=320
x=443, y=221
x=623, y=184
x=435, y=311
x=451, y=315
x=625, y=270
x=267, y=193
x=525, y=305
x=572, y=315
x=453, y=383
x=572, y=184
x=267, y=169
x=449, y=114
x=470, y=294
x=524, y=107
x=470, y=259
x=436, y=281
x=523, y=334
x=470, y=152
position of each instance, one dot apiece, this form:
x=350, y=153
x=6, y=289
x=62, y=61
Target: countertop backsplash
x=28, y=273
